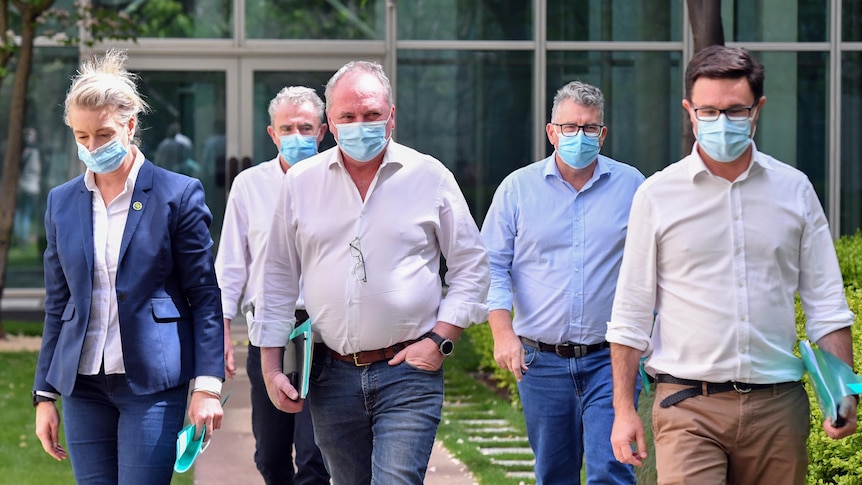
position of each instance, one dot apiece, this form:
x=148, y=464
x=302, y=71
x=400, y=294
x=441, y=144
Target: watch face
x=447, y=347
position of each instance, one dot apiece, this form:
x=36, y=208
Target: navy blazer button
x=122, y=296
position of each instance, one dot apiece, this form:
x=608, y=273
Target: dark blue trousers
x=275, y=432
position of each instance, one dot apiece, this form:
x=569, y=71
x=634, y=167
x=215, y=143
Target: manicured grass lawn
x=23, y=460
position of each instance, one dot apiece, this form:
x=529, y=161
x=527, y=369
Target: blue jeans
x=568, y=409
x=117, y=437
x=276, y=432
x=375, y=424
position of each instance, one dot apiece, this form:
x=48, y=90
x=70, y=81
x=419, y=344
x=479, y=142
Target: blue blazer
x=169, y=303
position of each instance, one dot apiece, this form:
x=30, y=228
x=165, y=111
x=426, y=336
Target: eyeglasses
x=359, y=269
x=590, y=131
x=737, y=113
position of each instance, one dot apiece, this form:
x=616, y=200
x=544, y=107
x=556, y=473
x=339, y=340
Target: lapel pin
x=137, y=206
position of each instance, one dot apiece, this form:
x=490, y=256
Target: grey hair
x=297, y=96
x=582, y=94
x=372, y=68
x=104, y=83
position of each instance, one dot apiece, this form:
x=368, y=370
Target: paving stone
x=514, y=463
x=483, y=422
x=498, y=439
x=506, y=451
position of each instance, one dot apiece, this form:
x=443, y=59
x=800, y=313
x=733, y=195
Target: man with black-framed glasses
x=555, y=233
x=719, y=244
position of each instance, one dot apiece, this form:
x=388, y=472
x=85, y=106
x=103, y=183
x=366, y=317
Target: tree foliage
x=22, y=21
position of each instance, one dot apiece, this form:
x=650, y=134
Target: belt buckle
x=741, y=391
x=558, y=349
x=356, y=361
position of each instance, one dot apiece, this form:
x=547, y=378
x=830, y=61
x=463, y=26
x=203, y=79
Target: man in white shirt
x=366, y=233
x=296, y=117
x=718, y=246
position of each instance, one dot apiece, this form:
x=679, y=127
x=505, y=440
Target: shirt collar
x=388, y=156
x=551, y=170
x=758, y=163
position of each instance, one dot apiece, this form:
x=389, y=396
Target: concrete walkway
x=229, y=459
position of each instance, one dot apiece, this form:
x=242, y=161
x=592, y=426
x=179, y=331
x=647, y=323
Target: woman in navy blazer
x=132, y=307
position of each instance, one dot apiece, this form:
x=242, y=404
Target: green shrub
x=831, y=461
x=849, y=251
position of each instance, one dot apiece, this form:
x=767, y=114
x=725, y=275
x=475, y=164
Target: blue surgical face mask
x=104, y=159
x=296, y=148
x=362, y=140
x=724, y=140
x=578, y=151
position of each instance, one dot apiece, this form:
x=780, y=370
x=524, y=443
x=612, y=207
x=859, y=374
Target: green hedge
x=831, y=462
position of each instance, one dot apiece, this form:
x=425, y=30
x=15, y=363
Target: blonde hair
x=104, y=83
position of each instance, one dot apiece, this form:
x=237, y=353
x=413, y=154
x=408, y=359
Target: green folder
x=297, y=357
x=832, y=378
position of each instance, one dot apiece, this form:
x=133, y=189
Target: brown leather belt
x=702, y=388
x=365, y=357
x=568, y=350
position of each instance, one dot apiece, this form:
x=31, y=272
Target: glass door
x=209, y=116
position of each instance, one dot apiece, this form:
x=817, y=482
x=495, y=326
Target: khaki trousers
x=732, y=438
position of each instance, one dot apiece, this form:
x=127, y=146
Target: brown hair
x=720, y=62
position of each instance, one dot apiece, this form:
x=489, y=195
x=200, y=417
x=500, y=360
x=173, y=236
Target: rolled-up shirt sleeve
x=634, y=301
x=468, y=273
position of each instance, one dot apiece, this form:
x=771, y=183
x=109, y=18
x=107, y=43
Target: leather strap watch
x=444, y=345
x=37, y=398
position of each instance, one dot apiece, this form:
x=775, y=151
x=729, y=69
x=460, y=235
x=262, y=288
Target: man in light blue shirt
x=555, y=233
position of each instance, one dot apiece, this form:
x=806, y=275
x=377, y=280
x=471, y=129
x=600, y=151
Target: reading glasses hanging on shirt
x=359, y=268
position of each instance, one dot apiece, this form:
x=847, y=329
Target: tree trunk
x=704, y=16
x=12, y=162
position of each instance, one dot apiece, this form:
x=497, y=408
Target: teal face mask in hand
x=188, y=448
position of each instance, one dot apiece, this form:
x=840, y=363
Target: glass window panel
x=191, y=103
x=614, y=20
x=472, y=110
x=52, y=143
x=851, y=21
x=794, y=124
x=266, y=85
x=301, y=19
x=643, y=92
x=851, y=143
x=776, y=20
x=465, y=20
x=194, y=19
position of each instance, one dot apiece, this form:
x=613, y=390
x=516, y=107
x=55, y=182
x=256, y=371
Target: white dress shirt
x=412, y=213
x=247, y=219
x=103, y=331
x=721, y=263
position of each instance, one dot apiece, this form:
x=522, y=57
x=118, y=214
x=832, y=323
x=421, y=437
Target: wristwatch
x=444, y=345
x=37, y=398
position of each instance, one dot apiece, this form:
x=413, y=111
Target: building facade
x=473, y=79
